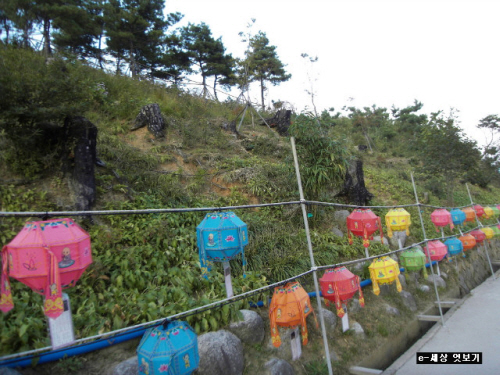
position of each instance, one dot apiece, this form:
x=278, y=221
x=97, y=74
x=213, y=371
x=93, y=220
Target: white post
x=345, y=319
x=227, y=279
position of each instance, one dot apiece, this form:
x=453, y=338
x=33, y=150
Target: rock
x=402, y=280
x=150, y=115
x=377, y=239
x=10, y=371
x=424, y=288
x=415, y=246
x=277, y=366
x=358, y=330
x=444, y=275
x=251, y=329
x=330, y=321
x=341, y=216
x=220, y=352
x=401, y=235
x=408, y=300
x=337, y=232
x=354, y=306
x=392, y=310
x=128, y=367
x=438, y=280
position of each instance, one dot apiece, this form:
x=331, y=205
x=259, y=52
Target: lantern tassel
x=349, y=236
x=338, y=303
x=366, y=243
x=388, y=225
x=376, y=289
x=275, y=335
x=53, y=305
x=6, y=302
x=361, y=298
x=398, y=284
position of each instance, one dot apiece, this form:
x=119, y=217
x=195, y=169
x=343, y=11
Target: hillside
x=151, y=261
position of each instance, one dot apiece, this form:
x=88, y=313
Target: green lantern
x=413, y=260
x=496, y=231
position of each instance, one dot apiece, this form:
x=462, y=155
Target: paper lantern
x=468, y=241
x=397, y=219
x=441, y=218
x=488, y=232
x=479, y=210
x=491, y=212
x=363, y=223
x=457, y=216
x=479, y=235
x=289, y=308
x=470, y=214
x=47, y=256
x=413, y=260
x=496, y=231
x=455, y=246
x=170, y=348
x=384, y=270
x=339, y=285
x=221, y=236
x=436, y=249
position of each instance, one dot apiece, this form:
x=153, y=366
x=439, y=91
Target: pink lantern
x=441, y=218
x=47, y=256
x=479, y=210
x=436, y=249
x=479, y=235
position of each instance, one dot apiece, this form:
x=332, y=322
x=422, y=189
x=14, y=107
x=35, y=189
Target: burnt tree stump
x=281, y=121
x=80, y=136
x=354, y=188
x=150, y=115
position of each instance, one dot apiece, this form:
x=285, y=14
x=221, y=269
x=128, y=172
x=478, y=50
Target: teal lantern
x=170, y=348
x=413, y=260
x=455, y=247
x=457, y=216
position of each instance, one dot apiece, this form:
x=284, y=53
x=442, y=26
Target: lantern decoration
x=221, y=236
x=457, y=216
x=289, y=307
x=170, y=348
x=413, y=260
x=397, y=219
x=491, y=212
x=339, y=285
x=362, y=222
x=488, y=232
x=468, y=241
x=436, y=249
x=496, y=231
x=441, y=218
x=479, y=210
x=479, y=235
x=470, y=214
x=47, y=256
x=384, y=270
x=455, y=246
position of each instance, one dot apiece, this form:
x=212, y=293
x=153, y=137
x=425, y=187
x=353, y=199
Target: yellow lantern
x=397, y=219
x=488, y=232
x=384, y=270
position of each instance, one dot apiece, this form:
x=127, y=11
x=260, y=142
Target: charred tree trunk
x=150, y=115
x=281, y=121
x=354, y=185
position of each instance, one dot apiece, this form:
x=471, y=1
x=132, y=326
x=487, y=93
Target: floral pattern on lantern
x=362, y=222
x=441, y=218
x=457, y=216
x=468, y=241
x=436, y=250
x=384, y=270
x=339, y=285
x=289, y=307
x=397, y=219
x=413, y=260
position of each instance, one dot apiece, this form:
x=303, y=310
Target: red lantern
x=441, y=218
x=468, y=241
x=470, y=214
x=47, y=256
x=339, y=285
x=363, y=223
x=479, y=235
x=479, y=210
x=436, y=249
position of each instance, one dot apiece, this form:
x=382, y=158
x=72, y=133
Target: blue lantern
x=221, y=236
x=457, y=216
x=455, y=246
x=170, y=348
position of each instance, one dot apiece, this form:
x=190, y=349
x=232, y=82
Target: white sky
x=443, y=53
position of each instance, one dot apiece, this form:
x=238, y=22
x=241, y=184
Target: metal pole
x=428, y=252
x=313, y=266
x=481, y=225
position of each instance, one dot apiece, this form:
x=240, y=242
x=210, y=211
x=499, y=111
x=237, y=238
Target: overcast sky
x=443, y=53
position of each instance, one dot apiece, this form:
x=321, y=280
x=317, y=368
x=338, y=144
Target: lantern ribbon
x=6, y=303
x=361, y=298
x=53, y=305
x=338, y=303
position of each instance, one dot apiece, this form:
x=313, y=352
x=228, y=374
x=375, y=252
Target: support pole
x=313, y=266
x=428, y=252
x=227, y=279
x=481, y=225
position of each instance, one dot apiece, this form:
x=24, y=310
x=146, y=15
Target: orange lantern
x=470, y=214
x=384, y=270
x=441, y=218
x=397, y=219
x=479, y=210
x=362, y=222
x=436, y=249
x=479, y=235
x=290, y=307
x=468, y=241
x=339, y=285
